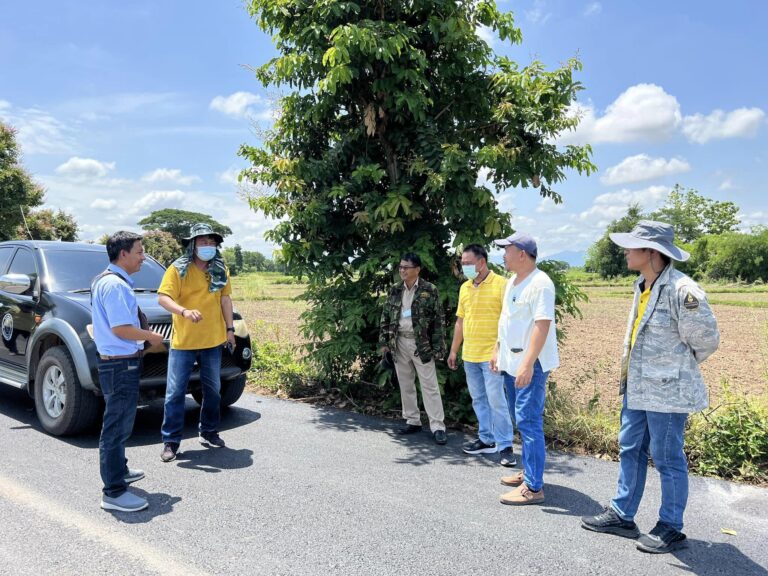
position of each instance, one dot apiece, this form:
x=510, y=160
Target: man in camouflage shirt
x=412, y=329
x=670, y=331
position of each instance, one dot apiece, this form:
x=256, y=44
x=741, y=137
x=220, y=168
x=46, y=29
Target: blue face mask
x=469, y=271
x=206, y=253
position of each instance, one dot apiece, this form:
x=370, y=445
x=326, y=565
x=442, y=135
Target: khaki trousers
x=407, y=366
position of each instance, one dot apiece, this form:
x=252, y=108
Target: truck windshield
x=70, y=270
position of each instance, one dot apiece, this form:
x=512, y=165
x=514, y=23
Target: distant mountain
x=572, y=257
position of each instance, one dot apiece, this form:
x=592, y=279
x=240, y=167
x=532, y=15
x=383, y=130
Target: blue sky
x=125, y=108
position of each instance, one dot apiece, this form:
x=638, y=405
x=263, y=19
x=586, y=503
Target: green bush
x=730, y=440
x=731, y=256
x=278, y=368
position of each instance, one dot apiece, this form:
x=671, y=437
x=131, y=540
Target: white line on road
x=105, y=533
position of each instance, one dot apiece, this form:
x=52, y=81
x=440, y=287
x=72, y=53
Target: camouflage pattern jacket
x=678, y=331
x=427, y=316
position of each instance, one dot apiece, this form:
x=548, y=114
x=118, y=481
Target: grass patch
x=266, y=286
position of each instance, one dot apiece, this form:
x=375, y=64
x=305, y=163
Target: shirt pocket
x=661, y=374
x=660, y=318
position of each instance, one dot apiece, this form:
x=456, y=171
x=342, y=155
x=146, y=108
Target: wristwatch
x=230, y=328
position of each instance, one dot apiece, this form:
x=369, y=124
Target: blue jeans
x=527, y=404
x=662, y=434
x=119, y=381
x=180, y=363
x=487, y=391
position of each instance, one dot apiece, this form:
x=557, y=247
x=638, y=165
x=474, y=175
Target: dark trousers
x=119, y=381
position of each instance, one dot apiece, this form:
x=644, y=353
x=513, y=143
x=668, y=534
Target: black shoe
x=169, y=451
x=440, y=437
x=479, y=447
x=212, y=439
x=662, y=539
x=610, y=523
x=409, y=429
x=508, y=457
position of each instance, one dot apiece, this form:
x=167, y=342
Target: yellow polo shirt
x=192, y=293
x=480, y=307
x=644, y=297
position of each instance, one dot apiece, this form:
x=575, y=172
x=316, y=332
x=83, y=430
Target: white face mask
x=206, y=253
x=470, y=271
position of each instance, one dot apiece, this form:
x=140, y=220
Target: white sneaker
x=126, y=502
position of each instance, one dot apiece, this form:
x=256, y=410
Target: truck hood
x=156, y=314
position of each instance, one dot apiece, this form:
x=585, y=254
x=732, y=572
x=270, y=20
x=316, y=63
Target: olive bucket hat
x=658, y=236
x=201, y=230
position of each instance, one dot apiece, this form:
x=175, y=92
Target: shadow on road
x=215, y=459
x=17, y=405
x=159, y=504
x=564, y=501
x=421, y=448
x=715, y=559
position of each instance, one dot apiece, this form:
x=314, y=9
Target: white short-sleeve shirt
x=533, y=299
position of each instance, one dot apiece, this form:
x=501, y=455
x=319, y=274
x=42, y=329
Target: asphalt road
x=309, y=490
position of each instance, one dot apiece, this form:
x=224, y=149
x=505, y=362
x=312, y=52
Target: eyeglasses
x=406, y=267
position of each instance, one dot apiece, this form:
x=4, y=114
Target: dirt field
x=590, y=358
x=591, y=355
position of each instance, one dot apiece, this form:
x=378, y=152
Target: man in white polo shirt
x=526, y=352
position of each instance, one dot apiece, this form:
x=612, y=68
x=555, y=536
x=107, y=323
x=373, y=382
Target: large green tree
x=397, y=125
x=177, y=222
x=162, y=246
x=605, y=257
x=17, y=189
x=692, y=215
x=48, y=224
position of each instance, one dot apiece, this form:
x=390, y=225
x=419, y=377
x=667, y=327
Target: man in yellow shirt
x=477, y=324
x=196, y=290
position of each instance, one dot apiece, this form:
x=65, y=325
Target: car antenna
x=24, y=218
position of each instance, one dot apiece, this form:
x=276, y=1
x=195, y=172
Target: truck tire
x=62, y=405
x=231, y=390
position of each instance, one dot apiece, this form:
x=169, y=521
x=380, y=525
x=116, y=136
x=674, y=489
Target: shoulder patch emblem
x=691, y=302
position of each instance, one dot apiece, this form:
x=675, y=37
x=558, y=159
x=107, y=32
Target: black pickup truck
x=46, y=345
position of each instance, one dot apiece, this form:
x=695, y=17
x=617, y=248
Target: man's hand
x=384, y=350
x=524, y=375
x=231, y=340
x=452, y=361
x=194, y=315
x=154, y=338
x=494, y=363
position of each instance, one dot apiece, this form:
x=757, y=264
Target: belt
x=411, y=336
x=124, y=357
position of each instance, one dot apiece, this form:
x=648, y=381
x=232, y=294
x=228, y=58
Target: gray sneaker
x=133, y=475
x=126, y=502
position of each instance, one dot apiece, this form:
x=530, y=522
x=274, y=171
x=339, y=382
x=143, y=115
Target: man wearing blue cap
x=670, y=331
x=525, y=354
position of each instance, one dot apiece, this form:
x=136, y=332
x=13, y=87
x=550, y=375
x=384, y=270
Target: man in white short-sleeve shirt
x=526, y=352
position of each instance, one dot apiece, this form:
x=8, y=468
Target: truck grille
x=165, y=329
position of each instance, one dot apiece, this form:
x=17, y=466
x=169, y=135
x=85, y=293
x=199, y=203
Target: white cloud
x=739, y=123
x=229, y=176
x=158, y=199
x=538, y=13
x=173, y=175
x=38, y=131
x=547, y=206
x=593, y=8
x=84, y=168
x=610, y=206
x=644, y=112
x=239, y=105
x=102, y=204
x=726, y=184
x=643, y=167
x=486, y=34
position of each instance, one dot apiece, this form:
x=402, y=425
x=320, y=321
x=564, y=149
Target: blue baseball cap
x=521, y=240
